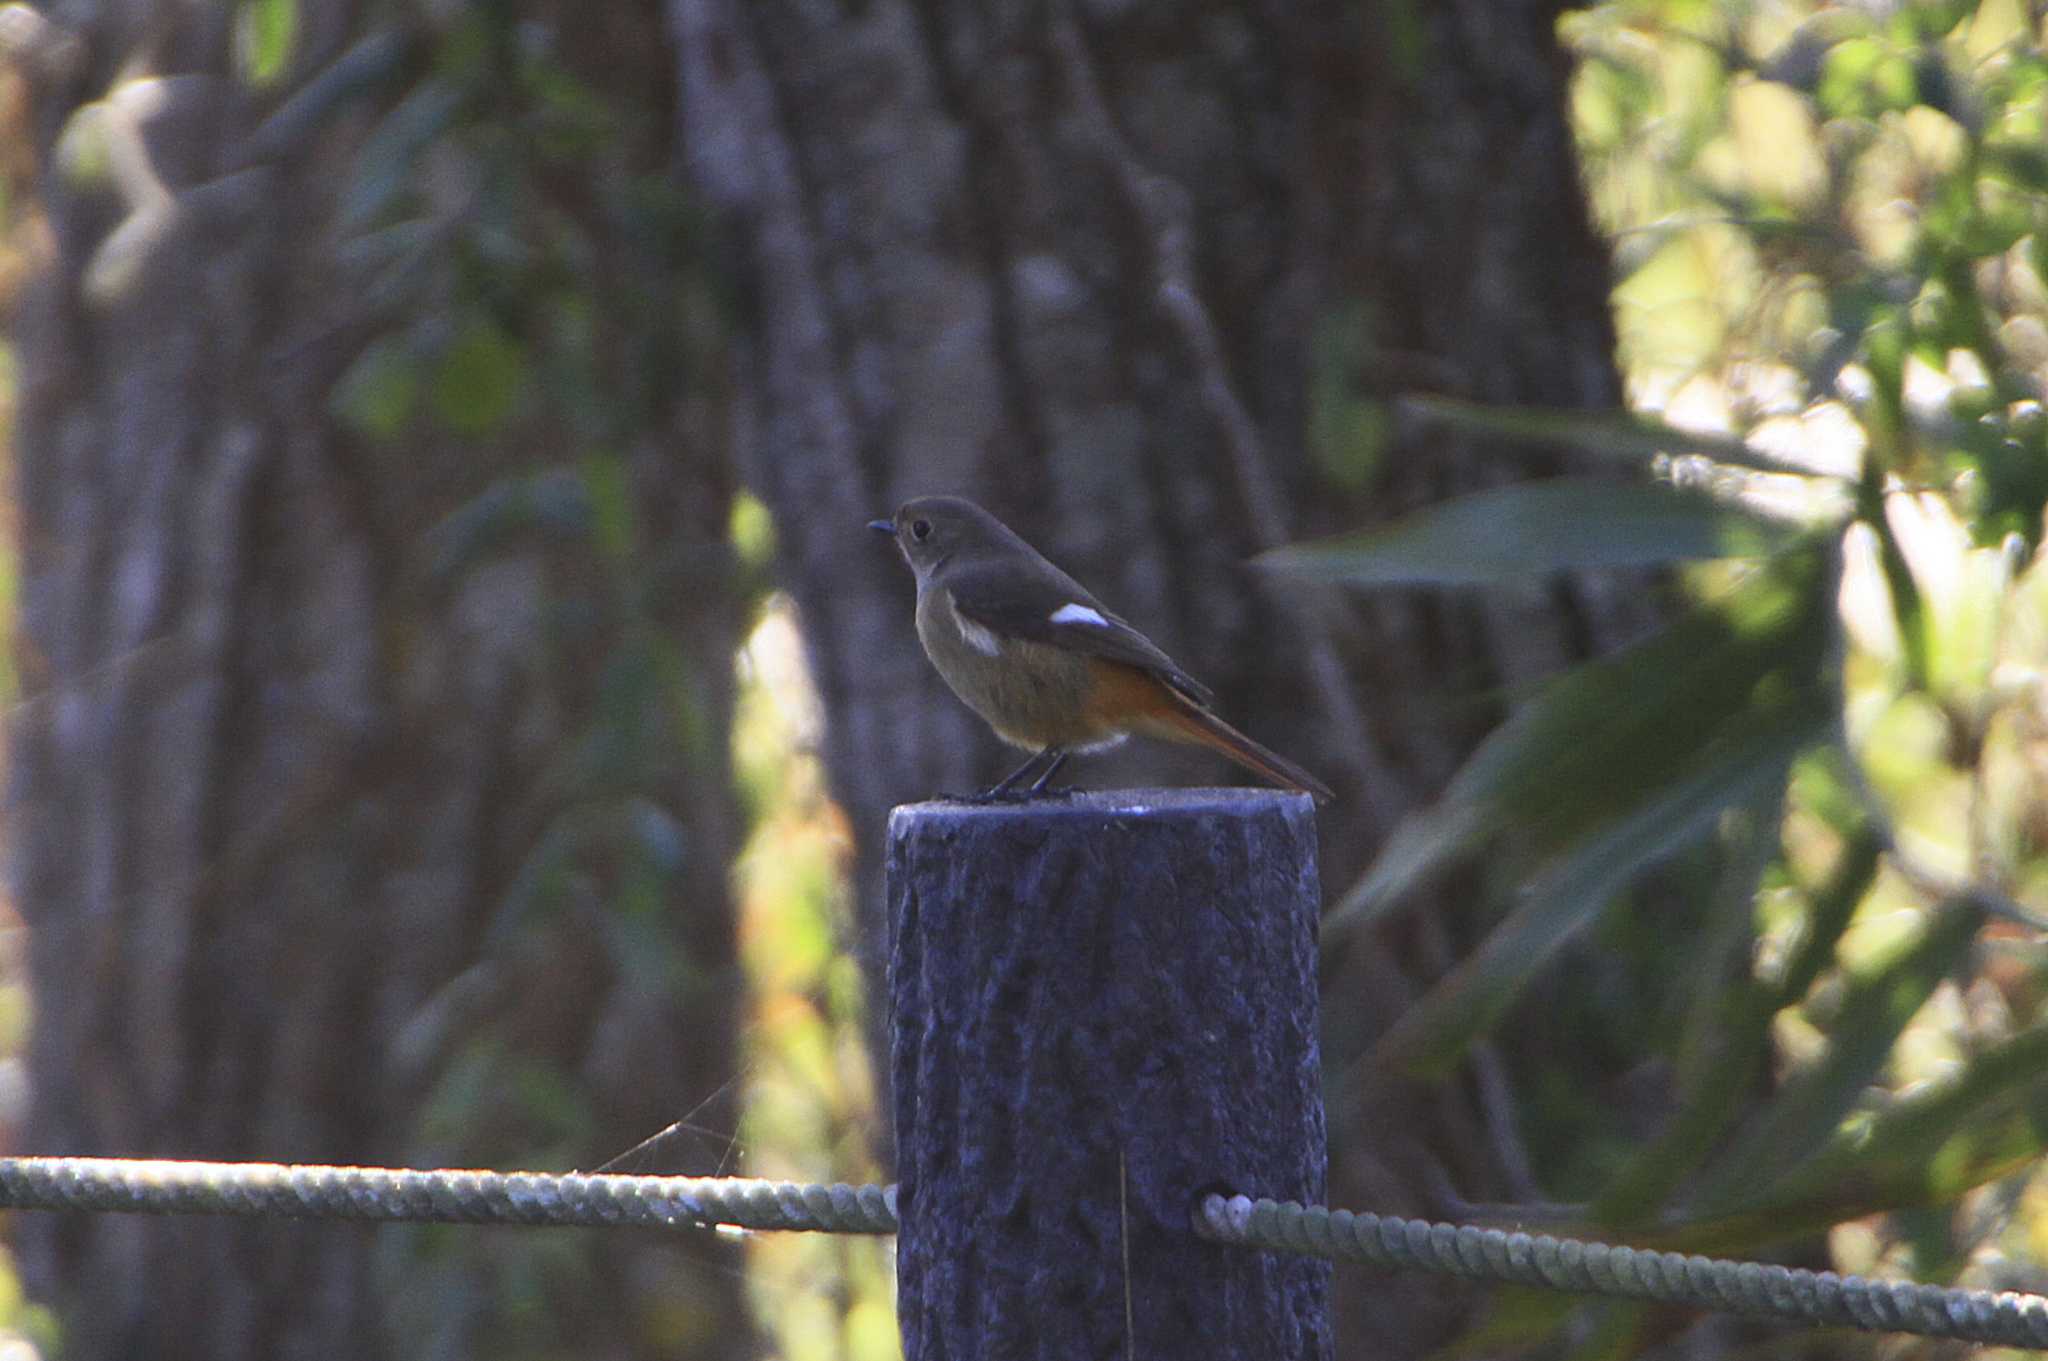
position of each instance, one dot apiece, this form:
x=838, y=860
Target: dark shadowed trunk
x=1136, y=276
x=368, y=804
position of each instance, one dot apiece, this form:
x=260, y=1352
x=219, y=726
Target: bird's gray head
x=932, y=530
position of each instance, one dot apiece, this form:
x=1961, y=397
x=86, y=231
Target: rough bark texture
x=1088, y=262
x=279, y=791
x=1103, y=1007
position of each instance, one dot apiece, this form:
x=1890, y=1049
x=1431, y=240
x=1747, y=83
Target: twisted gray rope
x=1628, y=1273
x=444, y=1196
x=539, y=1199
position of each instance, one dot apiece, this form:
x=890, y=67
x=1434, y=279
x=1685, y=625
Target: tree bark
x=1094, y=264
x=324, y=835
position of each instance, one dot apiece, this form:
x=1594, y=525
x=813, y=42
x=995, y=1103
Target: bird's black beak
x=883, y=527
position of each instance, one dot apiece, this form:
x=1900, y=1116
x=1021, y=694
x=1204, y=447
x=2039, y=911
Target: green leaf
x=752, y=531
x=384, y=166
x=2024, y=165
x=265, y=32
x=378, y=394
x=1532, y=529
x=1516, y=1319
x=479, y=378
x=1749, y=766
x=84, y=154
x=1348, y=427
x=1809, y=1110
x=555, y=504
x=1928, y=1148
x=1619, y=435
x=609, y=493
x=1846, y=75
x=1605, y=737
x=1955, y=1134
x=1740, y=1035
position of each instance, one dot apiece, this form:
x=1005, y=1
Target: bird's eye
x=920, y=530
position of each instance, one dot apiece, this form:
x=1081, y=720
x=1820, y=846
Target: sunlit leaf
x=1803, y=1116
x=1534, y=529
x=752, y=530
x=84, y=154
x=1864, y=76
x=1740, y=1035
x=1928, y=1148
x=1956, y=1133
x=265, y=32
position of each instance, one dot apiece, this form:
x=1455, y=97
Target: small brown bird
x=1044, y=662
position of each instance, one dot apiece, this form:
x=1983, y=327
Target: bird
x=1048, y=666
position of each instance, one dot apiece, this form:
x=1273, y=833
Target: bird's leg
x=1001, y=790
x=1059, y=758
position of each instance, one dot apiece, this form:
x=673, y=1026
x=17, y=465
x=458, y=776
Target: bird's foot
x=998, y=794
x=1044, y=764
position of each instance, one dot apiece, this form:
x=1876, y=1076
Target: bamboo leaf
x=1607, y=737
x=1511, y=534
x=386, y=162
x=1620, y=435
x=1809, y=1110
x=1751, y=765
x=1740, y=1034
x=1929, y=1148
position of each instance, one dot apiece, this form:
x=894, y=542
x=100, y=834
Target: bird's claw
x=999, y=795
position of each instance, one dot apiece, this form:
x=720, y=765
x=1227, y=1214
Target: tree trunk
x=345, y=798
x=1119, y=271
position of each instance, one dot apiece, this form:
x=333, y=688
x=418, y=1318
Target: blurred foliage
x=538, y=304
x=265, y=31
x=573, y=291
x=810, y=1092
x=1831, y=227
x=26, y=1328
x=542, y=294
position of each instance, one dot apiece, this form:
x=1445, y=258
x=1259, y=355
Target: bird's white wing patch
x=975, y=636
x=1074, y=613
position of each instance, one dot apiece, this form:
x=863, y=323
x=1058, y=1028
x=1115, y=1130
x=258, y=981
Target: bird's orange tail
x=1185, y=722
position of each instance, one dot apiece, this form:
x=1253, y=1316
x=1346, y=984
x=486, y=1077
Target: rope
x=444, y=1197
x=537, y=1199
x=1776, y=1292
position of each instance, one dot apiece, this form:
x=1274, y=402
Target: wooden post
x=1104, y=1006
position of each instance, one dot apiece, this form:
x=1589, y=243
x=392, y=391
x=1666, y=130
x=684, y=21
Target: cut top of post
x=1095, y=805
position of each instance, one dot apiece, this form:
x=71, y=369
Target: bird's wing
x=995, y=599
